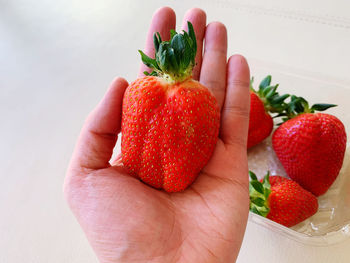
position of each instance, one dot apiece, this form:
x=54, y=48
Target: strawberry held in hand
x=262, y=102
x=170, y=122
x=310, y=146
x=281, y=200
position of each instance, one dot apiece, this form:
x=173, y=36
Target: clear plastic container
x=331, y=224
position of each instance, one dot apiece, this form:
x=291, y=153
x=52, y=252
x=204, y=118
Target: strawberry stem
x=298, y=105
x=174, y=59
x=259, y=193
x=273, y=101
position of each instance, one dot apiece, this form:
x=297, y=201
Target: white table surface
x=56, y=61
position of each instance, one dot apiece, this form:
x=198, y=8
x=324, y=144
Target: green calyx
x=298, y=105
x=259, y=193
x=276, y=103
x=174, y=59
x=273, y=101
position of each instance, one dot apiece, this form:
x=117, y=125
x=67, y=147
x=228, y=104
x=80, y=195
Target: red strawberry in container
x=280, y=199
x=262, y=103
x=310, y=146
x=170, y=122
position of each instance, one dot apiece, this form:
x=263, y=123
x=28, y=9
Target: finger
x=235, y=111
x=163, y=20
x=213, y=72
x=100, y=132
x=198, y=18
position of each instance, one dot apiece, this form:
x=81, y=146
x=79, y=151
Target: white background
x=56, y=61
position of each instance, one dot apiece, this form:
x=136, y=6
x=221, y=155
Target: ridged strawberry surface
x=289, y=203
x=169, y=131
x=311, y=148
x=260, y=122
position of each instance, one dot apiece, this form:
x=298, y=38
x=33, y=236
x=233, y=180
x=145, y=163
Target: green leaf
x=267, y=185
x=322, y=106
x=279, y=99
x=162, y=56
x=266, y=181
x=299, y=107
x=163, y=59
x=187, y=55
x=258, y=194
x=255, y=210
x=149, y=62
x=172, y=33
x=258, y=201
x=153, y=73
x=303, y=101
x=253, y=175
x=296, y=106
x=193, y=38
x=271, y=92
x=265, y=82
x=257, y=186
x=267, y=90
x=263, y=210
x=292, y=106
x=273, y=102
x=251, y=84
x=156, y=41
x=251, y=189
x=178, y=44
x=172, y=60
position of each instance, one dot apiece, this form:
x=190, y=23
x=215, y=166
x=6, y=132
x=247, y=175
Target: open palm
x=128, y=221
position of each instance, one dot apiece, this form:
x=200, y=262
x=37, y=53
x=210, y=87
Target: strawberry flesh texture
x=168, y=131
x=260, y=122
x=289, y=203
x=311, y=149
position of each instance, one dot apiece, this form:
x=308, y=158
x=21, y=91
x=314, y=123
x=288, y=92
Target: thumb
x=100, y=131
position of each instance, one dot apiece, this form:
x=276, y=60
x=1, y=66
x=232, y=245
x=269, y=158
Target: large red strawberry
x=280, y=199
x=170, y=122
x=310, y=145
x=263, y=102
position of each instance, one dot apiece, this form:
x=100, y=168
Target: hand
x=128, y=221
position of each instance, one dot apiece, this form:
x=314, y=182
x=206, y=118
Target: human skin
x=126, y=220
